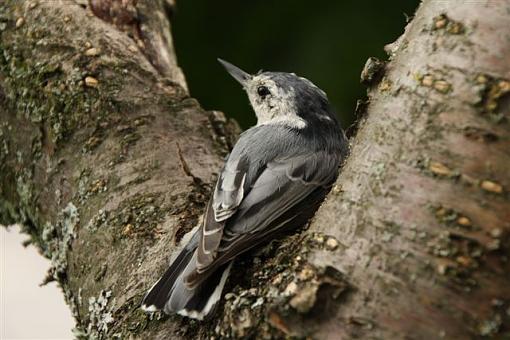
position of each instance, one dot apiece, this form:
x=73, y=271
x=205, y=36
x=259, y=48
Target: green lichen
x=49, y=89
x=24, y=186
x=42, y=78
x=83, y=185
x=136, y=321
x=490, y=327
x=57, y=240
x=97, y=221
x=100, y=316
x=4, y=146
x=137, y=216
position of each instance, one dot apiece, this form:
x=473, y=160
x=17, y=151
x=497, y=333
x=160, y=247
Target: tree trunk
x=107, y=162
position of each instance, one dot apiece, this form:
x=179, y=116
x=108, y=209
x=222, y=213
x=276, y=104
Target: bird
x=273, y=181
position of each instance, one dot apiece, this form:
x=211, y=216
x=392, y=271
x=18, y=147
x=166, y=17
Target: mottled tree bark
x=107, y=162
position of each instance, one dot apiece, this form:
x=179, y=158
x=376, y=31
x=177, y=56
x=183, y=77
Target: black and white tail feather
x=274, y=180
x=170, y=295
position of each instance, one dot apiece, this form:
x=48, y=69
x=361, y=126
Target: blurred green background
x=325, y=41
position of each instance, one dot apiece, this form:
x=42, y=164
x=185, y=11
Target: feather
x=259, y=194
x=275, y=200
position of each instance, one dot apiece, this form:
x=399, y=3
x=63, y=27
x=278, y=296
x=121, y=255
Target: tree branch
x=89, y=158
x=99, y=136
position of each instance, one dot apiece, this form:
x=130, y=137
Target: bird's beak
x=238, y=74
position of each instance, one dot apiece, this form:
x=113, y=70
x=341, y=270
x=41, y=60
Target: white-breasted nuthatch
x=274, y=179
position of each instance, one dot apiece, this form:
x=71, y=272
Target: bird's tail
x=171, y=294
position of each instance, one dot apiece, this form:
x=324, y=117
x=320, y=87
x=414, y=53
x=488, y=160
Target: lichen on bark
x=108, y=162
x=100, y=179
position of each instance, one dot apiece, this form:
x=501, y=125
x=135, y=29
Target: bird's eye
x=263, y=91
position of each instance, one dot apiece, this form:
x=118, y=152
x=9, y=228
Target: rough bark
x=105, y=157
x=107, y=161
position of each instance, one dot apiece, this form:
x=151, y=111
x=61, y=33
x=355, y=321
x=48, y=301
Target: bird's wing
x=282, y=193
x=227, y=197
x=229, y=190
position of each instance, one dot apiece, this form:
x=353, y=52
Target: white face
x=271, y=103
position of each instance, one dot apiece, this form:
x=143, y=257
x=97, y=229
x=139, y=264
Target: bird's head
x=284, y=98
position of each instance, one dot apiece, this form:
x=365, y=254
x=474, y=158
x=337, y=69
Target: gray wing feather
x=280, y=186
x=229, y=190
x=228, y=194
x=209, y=239
x=284, y=183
